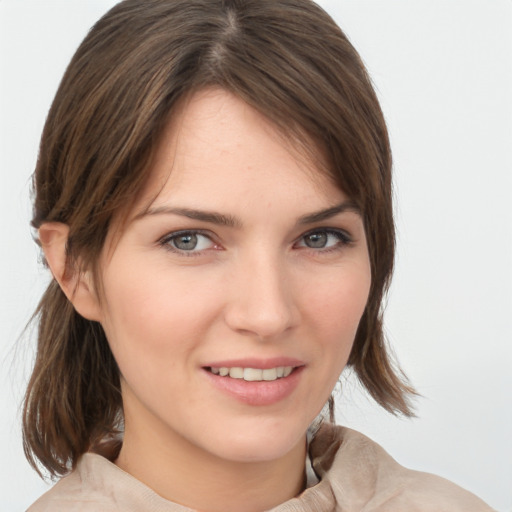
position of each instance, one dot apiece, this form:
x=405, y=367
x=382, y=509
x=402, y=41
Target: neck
x=183, y=473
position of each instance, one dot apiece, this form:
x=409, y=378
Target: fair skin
x=249, y=257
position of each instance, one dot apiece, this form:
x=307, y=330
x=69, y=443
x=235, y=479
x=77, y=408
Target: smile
x=253, y=374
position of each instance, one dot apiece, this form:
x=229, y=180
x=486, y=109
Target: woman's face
x=248, y=262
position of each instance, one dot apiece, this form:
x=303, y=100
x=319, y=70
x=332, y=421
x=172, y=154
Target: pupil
x=186, y=242
x=316, y=240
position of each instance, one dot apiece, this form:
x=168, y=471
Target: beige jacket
x=356, y=475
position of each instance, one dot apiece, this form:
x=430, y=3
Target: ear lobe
x=77, y=285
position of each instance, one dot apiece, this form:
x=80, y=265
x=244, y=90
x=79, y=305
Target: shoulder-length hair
x=286, y=58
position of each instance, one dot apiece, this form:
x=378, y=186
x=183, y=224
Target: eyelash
x=344, y=239
x=166, y=242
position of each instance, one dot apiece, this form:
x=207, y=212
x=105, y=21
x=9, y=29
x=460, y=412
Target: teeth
x=253, y=374
x=236, y=373
x=269, y=374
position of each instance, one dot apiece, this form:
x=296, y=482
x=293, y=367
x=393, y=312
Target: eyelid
x=345, y=238
x=167, y=238
x=327, y=229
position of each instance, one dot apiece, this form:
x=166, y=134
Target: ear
x=77, y=285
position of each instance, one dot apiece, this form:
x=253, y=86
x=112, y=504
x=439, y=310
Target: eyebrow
x=233, y=222
x=191, y=213
x=328, y=213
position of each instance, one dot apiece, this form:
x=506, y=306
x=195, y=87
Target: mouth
x=256, y=382
x=252, y=374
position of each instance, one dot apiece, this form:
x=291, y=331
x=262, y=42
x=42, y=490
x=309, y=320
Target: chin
x=262, y=443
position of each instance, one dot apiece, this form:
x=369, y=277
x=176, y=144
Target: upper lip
x=253, y=362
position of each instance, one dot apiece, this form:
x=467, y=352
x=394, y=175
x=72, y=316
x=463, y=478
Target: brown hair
x=286, y=58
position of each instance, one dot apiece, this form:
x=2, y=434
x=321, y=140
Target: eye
x=187, y=241
x=324, y=239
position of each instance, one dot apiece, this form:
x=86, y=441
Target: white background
x=443, y=71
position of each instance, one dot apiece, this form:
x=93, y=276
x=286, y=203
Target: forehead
x=218, y=148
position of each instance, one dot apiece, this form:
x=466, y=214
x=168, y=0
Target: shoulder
x=83, y=490
x=99, y=485
x=363, y=476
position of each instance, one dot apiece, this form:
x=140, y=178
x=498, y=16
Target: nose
x=262, y=302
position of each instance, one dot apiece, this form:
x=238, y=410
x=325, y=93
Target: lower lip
x=257, y=393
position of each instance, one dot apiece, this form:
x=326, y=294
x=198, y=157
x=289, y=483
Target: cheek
x=339, y=301
x=335, y=309
x=151, y=313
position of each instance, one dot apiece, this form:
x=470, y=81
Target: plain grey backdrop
x=443, y=71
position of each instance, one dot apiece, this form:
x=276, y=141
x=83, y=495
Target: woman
x=213, y=198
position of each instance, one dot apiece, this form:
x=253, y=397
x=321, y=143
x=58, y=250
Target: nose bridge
x=262, y=299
